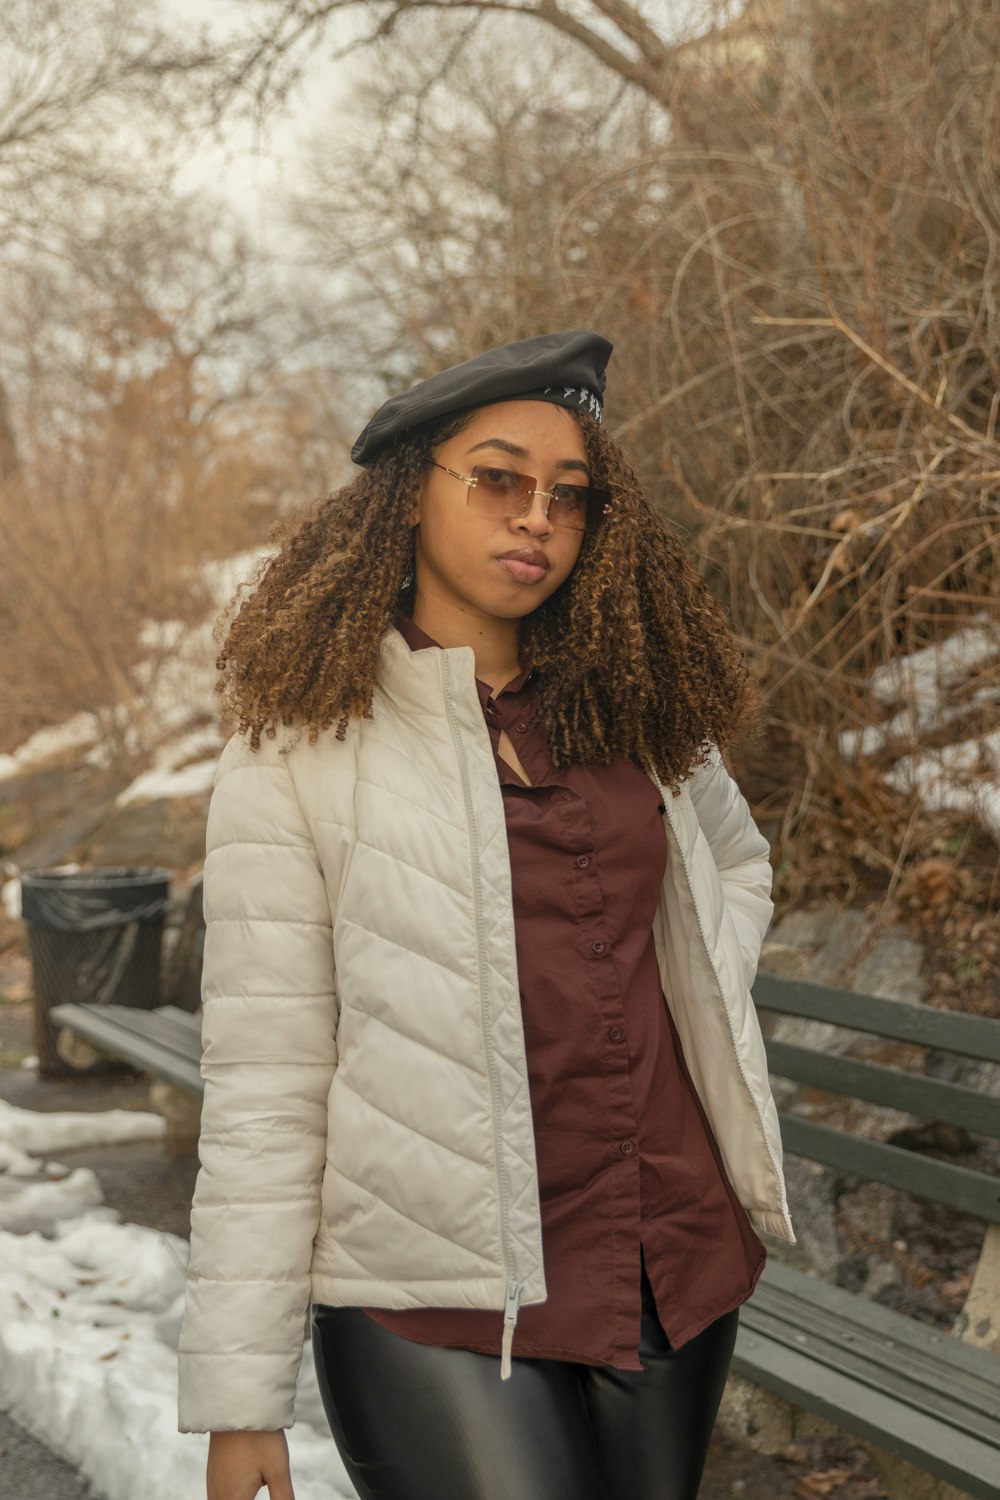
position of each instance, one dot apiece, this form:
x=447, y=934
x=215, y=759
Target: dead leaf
x=823, y=1481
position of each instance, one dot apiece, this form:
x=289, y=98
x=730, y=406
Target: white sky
x=251, y=170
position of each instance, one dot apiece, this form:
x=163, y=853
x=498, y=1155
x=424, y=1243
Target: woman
x=473, y=830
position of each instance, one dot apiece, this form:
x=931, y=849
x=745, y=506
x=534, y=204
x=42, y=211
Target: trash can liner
x=95, y=939
x=92, y=899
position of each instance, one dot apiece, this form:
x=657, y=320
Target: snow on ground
x=36, y=1134
x=36, y=1194
x=176, y=769
x=943, y=779
x=80, y=730
x=177, y=681
x=964, y=776
x=90, y=1312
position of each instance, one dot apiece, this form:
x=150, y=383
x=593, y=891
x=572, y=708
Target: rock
x=811, y=1199
x=785, y=960
x=868, y=1211
x=802, y=929
x=846, y=933
x=982, y=1076
x=892, y=970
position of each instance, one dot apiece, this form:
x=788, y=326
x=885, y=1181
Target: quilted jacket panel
x=366, y=1132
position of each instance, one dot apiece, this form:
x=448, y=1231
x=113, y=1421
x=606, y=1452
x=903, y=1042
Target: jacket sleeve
x=269, y=1052
x=741, y=854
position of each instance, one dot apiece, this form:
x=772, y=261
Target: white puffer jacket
x=366, y=1134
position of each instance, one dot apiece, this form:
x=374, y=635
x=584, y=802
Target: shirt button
x=627, y=1148
x=521, y=727
x=616, y=1034
x=598, y=948
x=582, y=861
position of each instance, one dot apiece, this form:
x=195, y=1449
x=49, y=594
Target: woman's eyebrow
x=508, y=447
x=518, y=452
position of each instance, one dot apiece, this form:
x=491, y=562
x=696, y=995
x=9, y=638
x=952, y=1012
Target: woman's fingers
x=240, y=1464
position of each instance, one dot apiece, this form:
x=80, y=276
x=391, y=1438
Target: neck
x=496, y=643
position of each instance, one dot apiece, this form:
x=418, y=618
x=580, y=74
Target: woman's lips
x=526, y=566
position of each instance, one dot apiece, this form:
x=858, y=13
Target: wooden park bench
x=165, y=1043
x=927, y=1401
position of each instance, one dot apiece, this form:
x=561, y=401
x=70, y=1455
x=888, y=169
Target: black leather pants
x=415, y=1422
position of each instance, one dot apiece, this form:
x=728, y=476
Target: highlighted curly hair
x=634, y=656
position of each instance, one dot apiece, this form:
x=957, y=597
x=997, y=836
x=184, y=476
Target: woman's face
x=476, y=565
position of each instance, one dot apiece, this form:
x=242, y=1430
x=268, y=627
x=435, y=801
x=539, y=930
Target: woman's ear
x=413, y=516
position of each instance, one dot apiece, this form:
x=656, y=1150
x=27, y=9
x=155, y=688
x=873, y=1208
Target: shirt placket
x=615, y=1140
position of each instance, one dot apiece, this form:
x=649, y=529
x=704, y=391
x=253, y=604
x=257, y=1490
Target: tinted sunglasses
x=504, y=492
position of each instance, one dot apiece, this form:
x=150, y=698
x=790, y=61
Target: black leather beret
x=565, y=368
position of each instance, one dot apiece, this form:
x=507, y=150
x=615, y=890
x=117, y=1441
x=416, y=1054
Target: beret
x=564, y=368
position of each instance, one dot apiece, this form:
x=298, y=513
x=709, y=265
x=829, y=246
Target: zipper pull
x=509, y=1320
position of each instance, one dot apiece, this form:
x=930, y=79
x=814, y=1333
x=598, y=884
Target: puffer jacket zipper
x=666, y=794
x=513, y=1286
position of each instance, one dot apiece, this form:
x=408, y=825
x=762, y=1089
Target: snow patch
x=962, y=777
x=80, y=730
x=177, y=682
x=946, y=779
x=89, y=1320
x=38, y=1133
x=174, y=773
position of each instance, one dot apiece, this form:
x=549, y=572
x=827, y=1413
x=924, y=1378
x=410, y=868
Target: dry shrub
x=798, y=266
x=106, y=525
x=835, y=336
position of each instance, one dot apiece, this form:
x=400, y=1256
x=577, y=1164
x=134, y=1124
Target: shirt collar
x=419, y=640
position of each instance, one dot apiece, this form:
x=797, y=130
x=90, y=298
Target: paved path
x=28, y=1471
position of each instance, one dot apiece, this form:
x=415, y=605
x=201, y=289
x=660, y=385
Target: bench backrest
x=976, y=1037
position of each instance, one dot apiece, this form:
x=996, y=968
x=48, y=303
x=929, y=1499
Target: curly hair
x=634, y=655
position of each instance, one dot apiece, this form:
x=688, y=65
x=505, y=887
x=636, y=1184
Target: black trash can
x=95, y=939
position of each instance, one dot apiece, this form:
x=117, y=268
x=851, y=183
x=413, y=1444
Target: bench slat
x=969, y=1036
x=942, y=1182
x=131, y=1040
x=893, y=1353
x=978, y=1365
x=936, y=1446
x=928, y=1098
x=178, y=1030
x=166, y=1030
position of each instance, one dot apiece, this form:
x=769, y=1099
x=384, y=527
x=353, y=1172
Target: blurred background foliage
x=785, y=214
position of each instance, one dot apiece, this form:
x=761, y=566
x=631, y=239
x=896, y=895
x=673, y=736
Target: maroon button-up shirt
x=625, y=1153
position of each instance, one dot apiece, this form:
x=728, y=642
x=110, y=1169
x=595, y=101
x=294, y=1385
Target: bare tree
x=160, y=429
x=448, y=212
x=797, y=266
x=643, y=44
x=92, y=93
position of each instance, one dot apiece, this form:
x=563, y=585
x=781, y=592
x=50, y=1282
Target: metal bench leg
x=763, y=1421
x=904, y=1481
x=769, y=1424
x=180, y=1110
x=979, y=1321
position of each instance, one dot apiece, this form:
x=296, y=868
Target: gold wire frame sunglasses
x=504, y=492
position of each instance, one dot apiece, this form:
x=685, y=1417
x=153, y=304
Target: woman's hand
x=239, y=1463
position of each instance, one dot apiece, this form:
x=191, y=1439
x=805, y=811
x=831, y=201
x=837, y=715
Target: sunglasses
x=503, y=492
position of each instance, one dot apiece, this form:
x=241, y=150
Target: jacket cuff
x=237, y=1392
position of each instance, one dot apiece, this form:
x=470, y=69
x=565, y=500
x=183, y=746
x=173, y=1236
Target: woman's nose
x=536, y=520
